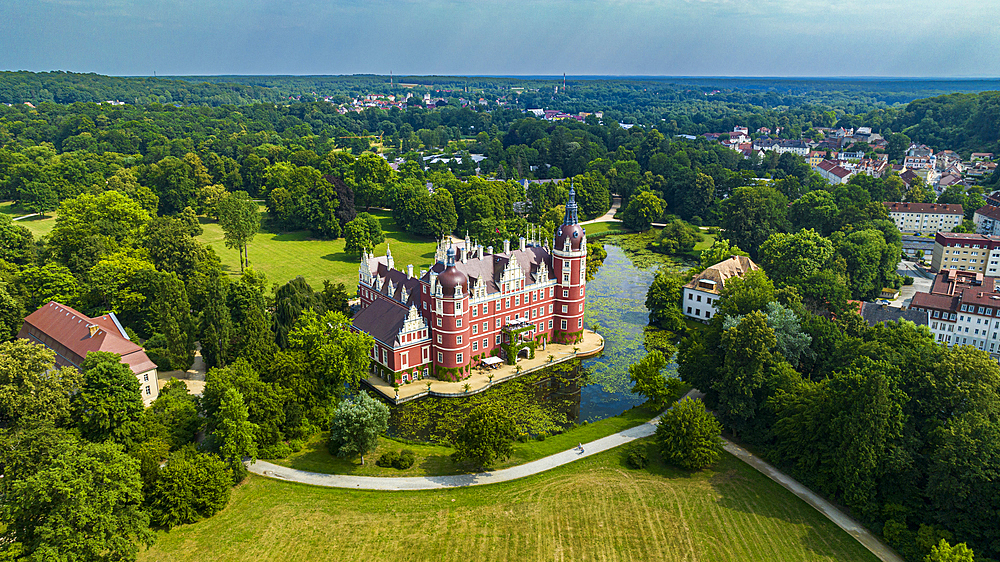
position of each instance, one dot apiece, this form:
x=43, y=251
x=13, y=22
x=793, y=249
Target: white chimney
x=506, y=246
x=489, y=250
x=409, y=271
x=522, y=241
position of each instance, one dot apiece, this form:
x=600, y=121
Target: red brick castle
x=473, y=304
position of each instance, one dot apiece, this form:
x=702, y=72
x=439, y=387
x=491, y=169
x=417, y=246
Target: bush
x=635, y=457
x=387, y=460
x=907, y=280
x=688, y=436
x=540, y=437
x=404, y=460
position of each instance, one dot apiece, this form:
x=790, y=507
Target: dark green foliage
x=649, y=380
x=663, y=299
x=677, y=237
x=80, y=500
x=388, y=459
x=486, y=437
x=688, y=436
x=175, y=324
x=401, y=460
x=752, y=215
x=109, y=406
x=356, y=426
x=31, y=386
x=190, y=486
x=173, y=416
x=635, y=457
x=16, y=242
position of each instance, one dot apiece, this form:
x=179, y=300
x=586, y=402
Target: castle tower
x=451, y=322
x=569, y=262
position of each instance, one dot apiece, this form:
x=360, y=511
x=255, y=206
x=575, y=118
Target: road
x=922, y=282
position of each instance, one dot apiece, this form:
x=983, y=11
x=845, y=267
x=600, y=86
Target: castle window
x=498, y=339
x=475, y=345
x=550, y=309
x=147, y=390
x=562, y=324
x=498, y=323
x=475, y=311
x=475, y=328
x=458, y=340
x=485, y=343
x=458, y=322
x=517, y=301
x=550, y=323
x=440, y=357
x=565, y=309
x=579, y=323
x=439, y=338
x=438, y=319
x=486, y=308
x=486, y=326
x=552, y=292
x=565, y=293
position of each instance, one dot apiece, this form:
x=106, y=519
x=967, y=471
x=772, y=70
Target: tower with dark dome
x=569, y=262
x=450, y=321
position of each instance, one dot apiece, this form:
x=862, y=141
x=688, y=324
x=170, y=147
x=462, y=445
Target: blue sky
x=513, y=37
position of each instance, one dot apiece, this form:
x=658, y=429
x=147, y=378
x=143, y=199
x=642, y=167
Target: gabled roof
x=382, y=319
x=989, y=211
x=72, y=329
x=716, y=275
x=880, y=313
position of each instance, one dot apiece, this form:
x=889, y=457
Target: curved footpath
x=838, y=517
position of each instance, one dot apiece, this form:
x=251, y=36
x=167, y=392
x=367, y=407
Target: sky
x=893, y=38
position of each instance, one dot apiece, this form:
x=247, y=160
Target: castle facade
x=473, y=304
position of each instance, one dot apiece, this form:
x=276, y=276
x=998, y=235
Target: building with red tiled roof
x=925, y=218
x=963, y=308
x=72, y=335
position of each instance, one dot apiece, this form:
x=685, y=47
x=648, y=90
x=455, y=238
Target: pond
x=616, y=309
x=569, y=393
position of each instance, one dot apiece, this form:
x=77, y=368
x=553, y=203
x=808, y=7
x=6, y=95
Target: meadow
x=39, y=226
x=592, y=509
x=284, y=256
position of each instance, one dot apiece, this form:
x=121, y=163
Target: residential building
x=987, y=219
x=473, y=303
x=963, y=308
x=833, y=172
x=919, y=157
x=875, y=313
x=976, y=156
x=700, y=296
x=815, y=157
x=966, y=252
x=925, y=218
x=72, y=335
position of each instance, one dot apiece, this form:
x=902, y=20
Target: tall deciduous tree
x=688, y=436
x=82, y=503
x=789, y=258
x=649, y=380
x=190, y=486
x=235, y=432
x=174, y=315
x=31, y=386
x=642, y=211
x=752, y=215
x=356, y=426
x=240, y=221
x=486, y=437
x=663, y=299
x=109, y=405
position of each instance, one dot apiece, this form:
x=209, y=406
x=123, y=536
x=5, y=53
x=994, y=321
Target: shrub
x=635, y=457
x=907, y=280
x=404, y=460
x=388, y=459
x=540, y=437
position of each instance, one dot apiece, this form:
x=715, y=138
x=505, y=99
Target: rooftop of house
x=713, y=278
x=82, y=334
x=875, y=313
x=936, y=208
x=989, y=211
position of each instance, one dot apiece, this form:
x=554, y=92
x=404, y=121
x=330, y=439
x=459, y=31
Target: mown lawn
x=591, y=509
x=599, y=227
x=37, y=225
x=435, y=460
x=284, y=256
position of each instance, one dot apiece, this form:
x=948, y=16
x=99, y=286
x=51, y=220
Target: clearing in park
x=592, y=509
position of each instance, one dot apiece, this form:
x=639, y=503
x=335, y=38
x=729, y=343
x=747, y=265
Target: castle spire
x=571, y=207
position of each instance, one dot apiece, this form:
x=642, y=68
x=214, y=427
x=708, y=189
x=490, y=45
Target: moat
x=570, y=392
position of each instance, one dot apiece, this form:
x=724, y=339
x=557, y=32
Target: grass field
x=38, y=226
x=283, y=256
x=599, y=227
x=592, y=509
x=435, y=460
